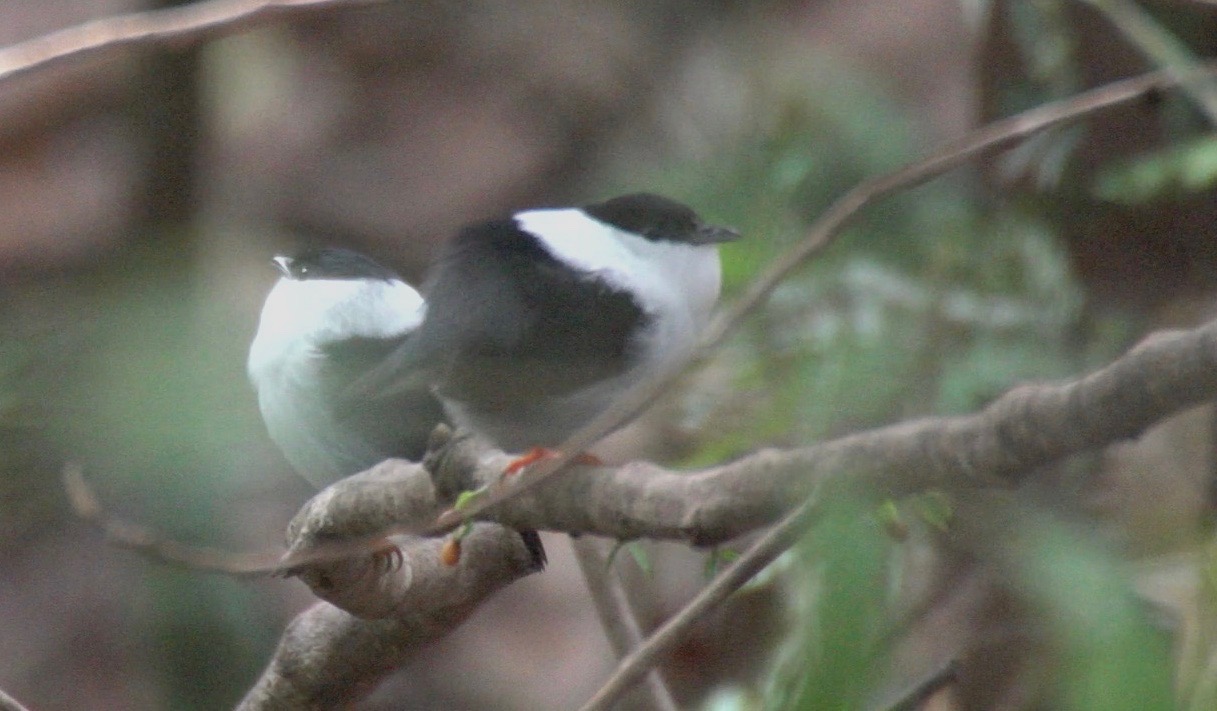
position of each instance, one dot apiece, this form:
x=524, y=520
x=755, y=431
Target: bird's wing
x=396, y=424
x=507, y=322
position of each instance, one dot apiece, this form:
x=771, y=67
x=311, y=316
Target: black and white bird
x=537, y=322
x=332, y=317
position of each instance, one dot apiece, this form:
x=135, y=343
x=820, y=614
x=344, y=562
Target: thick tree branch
x=380, y=609
x=403, y=577
x=377, y=614
x=329, y=658
x=1028, y=427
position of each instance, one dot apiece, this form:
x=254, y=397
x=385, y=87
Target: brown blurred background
x=142, y=194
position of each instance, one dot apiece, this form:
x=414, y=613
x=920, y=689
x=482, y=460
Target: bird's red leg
x=537, y=454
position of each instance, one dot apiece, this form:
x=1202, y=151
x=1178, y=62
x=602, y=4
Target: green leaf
x=636, y=551
x=1187, y=166
x=935, y=508
x=467, y=498
x=719, y=558
x=1111, y=657
x=641, y=558
x=835, y=662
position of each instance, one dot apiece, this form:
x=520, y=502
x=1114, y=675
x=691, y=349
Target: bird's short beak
x=712, y=234
x=283, y=264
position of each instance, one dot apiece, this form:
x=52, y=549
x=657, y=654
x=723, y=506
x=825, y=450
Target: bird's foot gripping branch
x=336, y=545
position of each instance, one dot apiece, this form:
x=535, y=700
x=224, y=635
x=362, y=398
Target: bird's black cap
x=658, y=218
x=331, y=263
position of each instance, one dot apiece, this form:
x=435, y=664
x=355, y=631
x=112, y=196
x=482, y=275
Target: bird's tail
x=532, y=541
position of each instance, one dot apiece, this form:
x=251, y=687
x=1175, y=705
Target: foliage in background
x=13, y=360
x=1110, y=655
x=1104, y=652
x=151, y=408
x=930, y=303
x=833, y=659
x=933, y=302
x=16, y=512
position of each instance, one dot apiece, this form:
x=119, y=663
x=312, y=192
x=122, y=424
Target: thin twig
x=919, y=693
x=997, y=135
x=180, y=27
x=783, y=535
x=148, y=543
x=617, y=615
x=8, y=703
x=1164, y=49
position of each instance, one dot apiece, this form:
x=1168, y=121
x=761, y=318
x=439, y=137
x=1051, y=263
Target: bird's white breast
x=299, y=315
x=285, y=361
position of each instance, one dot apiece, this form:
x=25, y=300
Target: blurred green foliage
x=1110, y=656
x=18, y=513
x=931, y=302
x=833, y=659
x=927, y=303
x=13, y=360
x=163, y=409
x=1187, y=167
x=140, y=381
x=1107, y=654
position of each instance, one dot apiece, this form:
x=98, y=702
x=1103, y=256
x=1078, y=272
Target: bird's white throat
x=663, y=275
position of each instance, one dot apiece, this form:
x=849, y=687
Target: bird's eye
x=301, y=270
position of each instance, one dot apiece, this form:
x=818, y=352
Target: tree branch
x=179, y=26
x=407, y=576
x=1026, y=428
x=1029, y=426
x=1004, y=440
x=915, y=696
x=760, y=554
x=1165, y=49
x=150, y=544
x=376, y=616
x=999, y=134
x=329, y=658
x=8, y=703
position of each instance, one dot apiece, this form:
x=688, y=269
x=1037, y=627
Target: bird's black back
x=506, y=321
